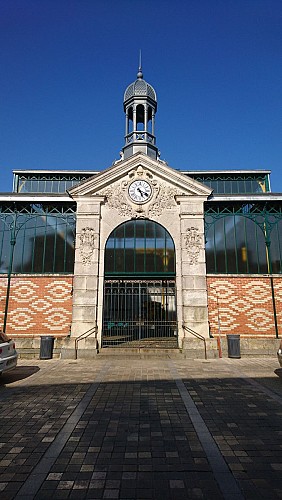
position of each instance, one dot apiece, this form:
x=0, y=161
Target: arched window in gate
x=140, y=248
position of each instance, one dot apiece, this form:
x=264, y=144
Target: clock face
x=140, y=191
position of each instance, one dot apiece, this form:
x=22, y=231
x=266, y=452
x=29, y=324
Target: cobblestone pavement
x=139, y=428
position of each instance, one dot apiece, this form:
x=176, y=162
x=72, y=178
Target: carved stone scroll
x=164, y=200
x=87, y=240
x=117, y=201
x=192, y=240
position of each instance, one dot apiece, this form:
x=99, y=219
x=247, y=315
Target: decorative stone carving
x=163, y=196
x=164, y=200
x=87, y=239
x=192, y=240
x=117, y=201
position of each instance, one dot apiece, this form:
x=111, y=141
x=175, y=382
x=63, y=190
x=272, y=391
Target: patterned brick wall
x=244, y=305
x=38, y=305
x=42, y=304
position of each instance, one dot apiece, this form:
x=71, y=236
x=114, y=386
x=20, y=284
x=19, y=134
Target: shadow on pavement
x=19, y=373
x=278, y=372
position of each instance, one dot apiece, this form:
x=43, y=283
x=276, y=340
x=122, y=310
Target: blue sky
x=215, y=64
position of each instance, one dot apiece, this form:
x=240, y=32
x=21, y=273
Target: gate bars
x=138, y=312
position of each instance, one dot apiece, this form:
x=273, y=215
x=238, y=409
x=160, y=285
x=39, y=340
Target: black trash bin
x=233, y=346
x=46, y=347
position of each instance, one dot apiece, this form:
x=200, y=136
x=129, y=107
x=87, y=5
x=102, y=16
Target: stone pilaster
x=87, y=259
x=193, y=267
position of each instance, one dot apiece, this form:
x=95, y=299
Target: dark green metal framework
x=47, y=183
x=219, y=182
x=37, y=238
x=228, y=183
x=243, y=237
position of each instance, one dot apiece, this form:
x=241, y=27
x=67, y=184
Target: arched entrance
x=139, y=286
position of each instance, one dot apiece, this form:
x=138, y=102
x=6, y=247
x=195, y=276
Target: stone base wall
x=244, y=305
x=38, y=305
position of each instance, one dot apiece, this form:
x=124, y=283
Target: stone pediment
x=140, y=166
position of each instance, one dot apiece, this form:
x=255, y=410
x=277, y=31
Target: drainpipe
x=269, y=269
x=12, y=243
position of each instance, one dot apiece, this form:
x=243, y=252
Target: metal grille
x=139, y=313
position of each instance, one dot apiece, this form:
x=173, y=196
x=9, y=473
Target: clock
x=140, y=191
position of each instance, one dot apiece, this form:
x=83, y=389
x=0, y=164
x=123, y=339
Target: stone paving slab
x=143, y=428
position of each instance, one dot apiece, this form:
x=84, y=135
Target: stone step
x=138, y=352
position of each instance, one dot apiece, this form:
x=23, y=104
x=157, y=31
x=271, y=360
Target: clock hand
x=143, y=193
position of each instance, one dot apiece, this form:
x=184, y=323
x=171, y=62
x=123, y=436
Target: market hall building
x=141, y=255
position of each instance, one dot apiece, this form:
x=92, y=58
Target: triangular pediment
x=140, y=164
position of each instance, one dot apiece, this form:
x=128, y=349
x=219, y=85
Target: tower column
x=146, y=117
x=126, y=122
x=134, y=118
x=153, y=122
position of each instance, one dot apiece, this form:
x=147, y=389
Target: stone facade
x=177, y=203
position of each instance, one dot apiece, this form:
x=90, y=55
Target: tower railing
x=140, y=136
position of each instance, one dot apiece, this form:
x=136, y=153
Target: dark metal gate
x=139, y=313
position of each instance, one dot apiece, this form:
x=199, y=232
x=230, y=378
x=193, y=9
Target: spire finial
x=140, y=74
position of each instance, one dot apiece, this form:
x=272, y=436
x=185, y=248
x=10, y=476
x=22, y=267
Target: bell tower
x=140, y=106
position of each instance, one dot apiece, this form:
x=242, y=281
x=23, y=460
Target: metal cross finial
x=140, y=74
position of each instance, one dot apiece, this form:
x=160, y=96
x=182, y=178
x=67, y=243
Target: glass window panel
x=69, y=250
x=210, y=250
x=48, y=187
x=129, y=260
x=219, y=246
x=109, y=264
x=228, y=187
x=220, y=186
x=241, y=243
x=212, y=184
x=230, y=244
x=170, y=261
x=140, y=229
x=59, y=247
x=5, y=245
x=241, y=186
x=62, y=186
x=275, y=247
x=261, y=251
x=119, y=260
x=235, y=187
x=23, y=248
x=140, y=260
x=119, y=233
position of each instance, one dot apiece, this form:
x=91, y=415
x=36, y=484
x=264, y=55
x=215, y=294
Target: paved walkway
x=132, y=428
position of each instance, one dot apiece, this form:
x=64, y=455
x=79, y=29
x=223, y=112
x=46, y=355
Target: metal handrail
x=84, y=335
x=198, y=335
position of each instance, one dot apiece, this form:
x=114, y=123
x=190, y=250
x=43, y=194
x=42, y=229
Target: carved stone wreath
x=192, y=240
x=87, y=240
x=116, y=200
x=164, y=200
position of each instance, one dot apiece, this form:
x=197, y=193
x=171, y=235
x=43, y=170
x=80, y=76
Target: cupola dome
x=139, y=88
